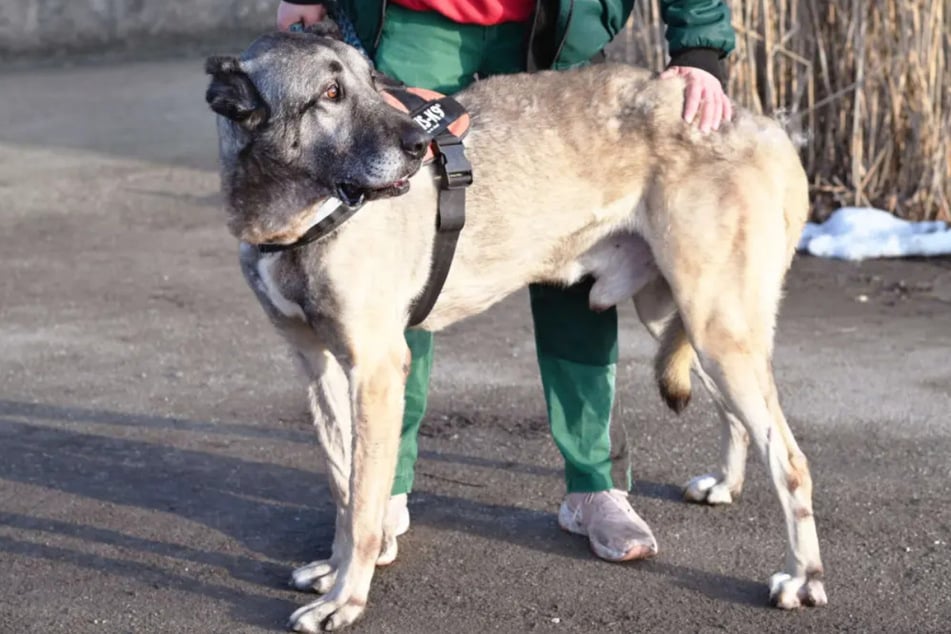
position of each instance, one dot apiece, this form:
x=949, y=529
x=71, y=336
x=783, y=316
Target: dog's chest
x=272, y=290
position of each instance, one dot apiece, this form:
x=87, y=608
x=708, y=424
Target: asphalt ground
x=158, y=472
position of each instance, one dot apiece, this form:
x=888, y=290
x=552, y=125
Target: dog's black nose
x=414, y=141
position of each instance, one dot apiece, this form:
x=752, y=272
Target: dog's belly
x=621, y=264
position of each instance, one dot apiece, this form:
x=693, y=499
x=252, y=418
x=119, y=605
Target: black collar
x=331, y=214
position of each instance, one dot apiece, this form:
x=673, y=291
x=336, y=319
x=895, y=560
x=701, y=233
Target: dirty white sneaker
x=615, y=532
x=395, y=523
x=396, y=519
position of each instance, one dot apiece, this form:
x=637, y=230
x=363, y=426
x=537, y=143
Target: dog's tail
x=672, y=365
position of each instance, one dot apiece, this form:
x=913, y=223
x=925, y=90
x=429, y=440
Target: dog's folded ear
x=232, y=94
x=325, y=28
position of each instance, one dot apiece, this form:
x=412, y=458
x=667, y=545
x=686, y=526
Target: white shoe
x=395, y=523
x=614, y=531
x=396, y=519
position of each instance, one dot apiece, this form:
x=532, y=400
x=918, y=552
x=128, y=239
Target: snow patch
x=859, y=233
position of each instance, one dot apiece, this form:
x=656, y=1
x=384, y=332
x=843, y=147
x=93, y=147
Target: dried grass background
x=867, y=81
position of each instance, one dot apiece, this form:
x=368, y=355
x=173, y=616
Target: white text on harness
x=430, y=118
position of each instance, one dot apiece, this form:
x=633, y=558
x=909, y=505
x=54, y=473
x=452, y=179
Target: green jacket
x=568, y=33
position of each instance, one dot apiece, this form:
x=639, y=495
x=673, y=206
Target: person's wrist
x=707, y=59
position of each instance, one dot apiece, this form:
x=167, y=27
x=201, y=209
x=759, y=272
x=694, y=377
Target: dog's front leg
x=377, y=381
x=330, y=404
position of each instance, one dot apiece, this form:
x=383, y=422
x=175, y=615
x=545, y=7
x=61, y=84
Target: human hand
x=288, y=14
x=703, y=94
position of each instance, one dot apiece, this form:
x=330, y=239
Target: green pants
x=576, y=348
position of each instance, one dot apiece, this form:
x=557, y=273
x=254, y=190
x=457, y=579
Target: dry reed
x=867, y=81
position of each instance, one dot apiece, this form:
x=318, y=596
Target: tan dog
x=581, y=173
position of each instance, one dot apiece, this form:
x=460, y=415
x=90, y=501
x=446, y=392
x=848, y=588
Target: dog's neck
x=326, y=216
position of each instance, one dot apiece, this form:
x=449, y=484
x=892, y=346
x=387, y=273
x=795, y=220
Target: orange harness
x=447, y=122
x=434, y=112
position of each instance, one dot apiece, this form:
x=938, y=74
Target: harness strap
x=434, y=116
x=456, y=173
x=410, y=100
x=446, y=120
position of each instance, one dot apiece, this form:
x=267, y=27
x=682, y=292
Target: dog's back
x=564, y=158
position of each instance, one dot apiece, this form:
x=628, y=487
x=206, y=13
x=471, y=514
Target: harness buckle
x=454, y=167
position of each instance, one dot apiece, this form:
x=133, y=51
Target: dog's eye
x=332, y=92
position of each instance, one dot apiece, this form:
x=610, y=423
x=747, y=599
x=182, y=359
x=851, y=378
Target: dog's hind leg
x=736, y=354
x=726, y=482
x=376, y=395
x=726, y=279
x=787, y=590
x=658, y=312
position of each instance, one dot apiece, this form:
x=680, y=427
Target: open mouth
x=355, y=195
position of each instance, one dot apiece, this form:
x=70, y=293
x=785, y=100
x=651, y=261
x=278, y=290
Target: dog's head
x=301, y=121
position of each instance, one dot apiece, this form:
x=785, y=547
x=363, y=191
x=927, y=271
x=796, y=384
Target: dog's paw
x=707, y=489
x=788, y=592
x=326, y=614
x=318, y=576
